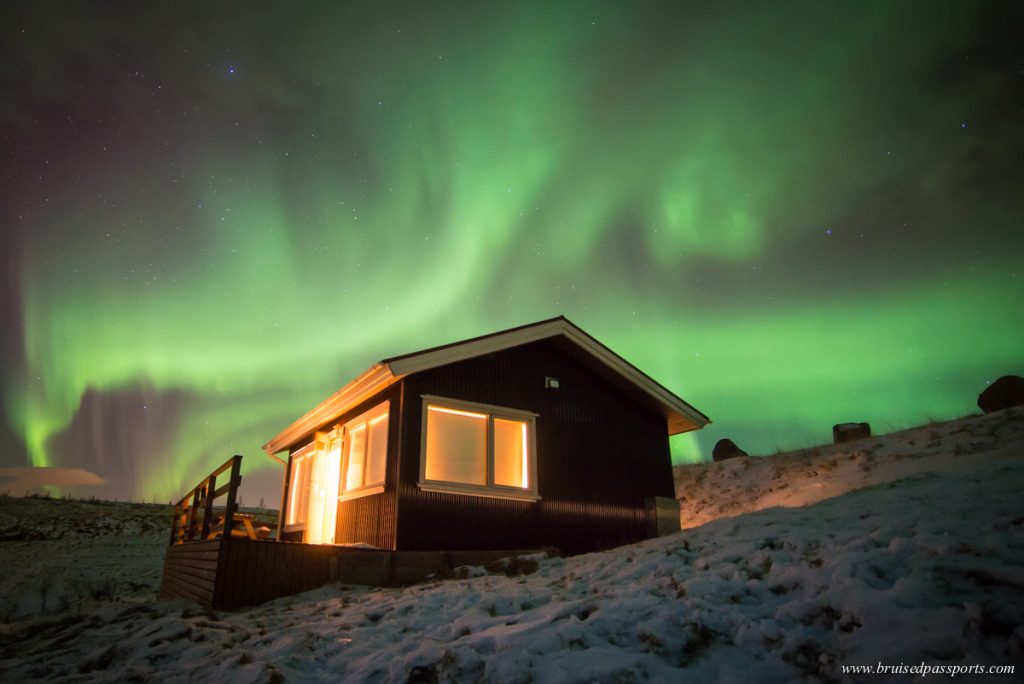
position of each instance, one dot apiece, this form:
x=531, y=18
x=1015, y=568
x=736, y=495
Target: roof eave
x=450, y=353
x=682, y=417
x=678, y=424
x=373, y=380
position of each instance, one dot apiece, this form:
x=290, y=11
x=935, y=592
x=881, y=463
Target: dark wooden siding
x=600, y=452
x=368, y=519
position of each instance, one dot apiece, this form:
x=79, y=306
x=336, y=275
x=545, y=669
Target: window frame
x=344, y=494
x=298, y=458
x=489, y=490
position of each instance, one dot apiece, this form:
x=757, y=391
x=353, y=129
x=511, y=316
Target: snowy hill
x=921, y=562
x=61, y=555
x=709, y=491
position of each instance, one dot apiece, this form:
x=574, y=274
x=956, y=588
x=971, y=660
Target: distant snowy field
x=907, y=548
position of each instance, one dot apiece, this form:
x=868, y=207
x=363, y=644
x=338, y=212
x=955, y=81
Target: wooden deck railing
x=194, y=514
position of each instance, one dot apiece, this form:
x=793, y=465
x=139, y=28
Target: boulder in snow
x=725, y=449
x=1005, y=392
x=422, y=674
x=847, y=432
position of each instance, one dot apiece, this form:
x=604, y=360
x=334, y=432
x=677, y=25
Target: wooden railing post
x=192, y=515
x=232, y=502
x=211, y=494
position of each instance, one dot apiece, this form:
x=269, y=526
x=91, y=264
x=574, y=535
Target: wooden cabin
x=537, y=436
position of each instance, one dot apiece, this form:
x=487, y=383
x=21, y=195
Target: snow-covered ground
x=920, y=560
x=798, y=478
x=63, y=555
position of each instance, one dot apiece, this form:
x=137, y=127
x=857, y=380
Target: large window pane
x=456, y=446
x=332, y=480
x=377, y=453
x=298, y=492
x=317, y=491
x=356, y=457
x=510, y=453
x=322, y=509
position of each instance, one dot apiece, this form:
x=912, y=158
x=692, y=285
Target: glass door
x=322, y=509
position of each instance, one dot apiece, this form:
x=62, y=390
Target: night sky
x=216, y=214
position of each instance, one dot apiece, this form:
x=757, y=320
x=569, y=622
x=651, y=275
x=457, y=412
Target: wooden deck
x=213, y=561
x=234, y=572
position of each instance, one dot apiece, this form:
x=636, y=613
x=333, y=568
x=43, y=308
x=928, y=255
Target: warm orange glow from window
x=377, y=451
x=356, y=447
x=366, y=450
x=510, y=453
x=318, y=478
x=333, y=468
x=456, y=412
x=456, y=446
x=321, y=510
x=526, y=458
x=315, y=505
x=487, y=451
x=297, y=493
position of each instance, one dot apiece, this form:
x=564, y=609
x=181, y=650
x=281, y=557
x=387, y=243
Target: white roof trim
x=460, y=351
x=376, y=378
x=681, y=416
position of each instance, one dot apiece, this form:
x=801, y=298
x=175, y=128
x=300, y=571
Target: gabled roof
x=680, y=415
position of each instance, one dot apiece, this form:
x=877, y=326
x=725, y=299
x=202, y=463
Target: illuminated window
x=366, y=453
x=298, y=488
x=456, y=446
x=322, y=509
x=511, y=453
x=478, y=449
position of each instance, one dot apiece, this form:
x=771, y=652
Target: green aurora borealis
x=790, y=214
